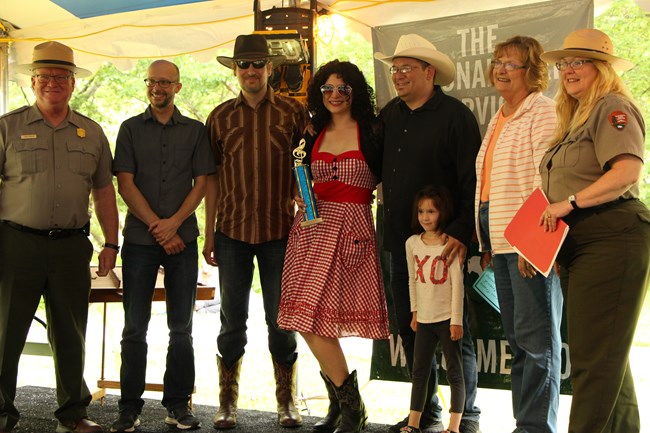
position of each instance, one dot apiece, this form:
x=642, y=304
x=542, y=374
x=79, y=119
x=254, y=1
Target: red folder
x=528, y=238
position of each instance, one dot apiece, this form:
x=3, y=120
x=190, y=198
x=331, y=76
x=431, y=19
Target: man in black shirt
x=430, y=139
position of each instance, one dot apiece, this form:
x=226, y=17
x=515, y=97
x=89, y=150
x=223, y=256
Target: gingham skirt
x=331, y=283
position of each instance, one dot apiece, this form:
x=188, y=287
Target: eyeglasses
x=496, y=64
x=245, y=64
x=150, y=82
x=575, y=64
x=403, y=69
x=342, y=89
x=59, y=79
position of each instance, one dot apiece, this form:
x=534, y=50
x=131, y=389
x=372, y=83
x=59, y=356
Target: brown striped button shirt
x=252, y=149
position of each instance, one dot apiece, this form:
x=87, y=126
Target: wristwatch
x=572, y=200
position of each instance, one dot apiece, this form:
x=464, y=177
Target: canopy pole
x=4, y=70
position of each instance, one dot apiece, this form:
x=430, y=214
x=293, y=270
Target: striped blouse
x=515, y=164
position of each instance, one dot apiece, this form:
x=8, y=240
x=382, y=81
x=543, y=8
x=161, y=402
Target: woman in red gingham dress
x=332, y=284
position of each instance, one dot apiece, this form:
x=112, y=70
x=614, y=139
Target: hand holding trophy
x=303, y=180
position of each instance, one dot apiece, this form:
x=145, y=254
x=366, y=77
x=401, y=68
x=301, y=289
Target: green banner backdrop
x=469, y=40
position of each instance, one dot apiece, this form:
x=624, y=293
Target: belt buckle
x=55, y=234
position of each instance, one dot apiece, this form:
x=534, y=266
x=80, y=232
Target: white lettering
x=463, y=41
x=483, y=108
x=486, y=360
x=478, y=80
x=505, y=357
x=462, y=75
x=396, y=351
x=477, y=40
x=470, y=75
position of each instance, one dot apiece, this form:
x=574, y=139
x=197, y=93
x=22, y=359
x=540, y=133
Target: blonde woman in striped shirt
x=507, y=173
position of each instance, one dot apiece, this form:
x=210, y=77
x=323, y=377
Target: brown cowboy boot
x=285, y=394
x=333, y=417
x=226, y=416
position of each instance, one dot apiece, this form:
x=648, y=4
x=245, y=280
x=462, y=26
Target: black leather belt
x=50, y=233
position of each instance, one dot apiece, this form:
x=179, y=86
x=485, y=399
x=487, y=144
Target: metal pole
x=4, y=70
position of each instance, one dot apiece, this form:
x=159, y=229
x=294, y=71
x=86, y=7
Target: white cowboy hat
x=590, y=43
x=416, y=47
x=53, y=55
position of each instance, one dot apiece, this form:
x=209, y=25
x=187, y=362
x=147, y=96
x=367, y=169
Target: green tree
x=628, y=26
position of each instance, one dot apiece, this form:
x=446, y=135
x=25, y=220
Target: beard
x=160, y=103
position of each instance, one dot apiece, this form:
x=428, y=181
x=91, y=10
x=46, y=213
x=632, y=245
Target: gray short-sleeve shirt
x=164, y=160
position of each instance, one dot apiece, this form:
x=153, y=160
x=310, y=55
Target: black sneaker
x=183, y=418
x=434, y=426
x=127, y=422
x=469, y=426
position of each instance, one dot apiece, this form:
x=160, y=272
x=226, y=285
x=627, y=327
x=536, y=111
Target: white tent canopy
x=197, y=28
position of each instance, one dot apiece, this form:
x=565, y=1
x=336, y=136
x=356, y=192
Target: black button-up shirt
x=435, y=144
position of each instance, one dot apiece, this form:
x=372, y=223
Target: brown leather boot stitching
x=226, y=417
x=285, y=394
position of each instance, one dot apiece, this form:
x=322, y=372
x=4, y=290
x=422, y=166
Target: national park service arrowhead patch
x=617, y=119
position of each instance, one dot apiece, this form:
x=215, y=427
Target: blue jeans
x=401, y=301
x=531, y=314
x=140, y=264
x=484, y=224
x=235, y=260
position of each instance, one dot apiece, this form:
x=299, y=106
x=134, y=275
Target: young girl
x=436, y=292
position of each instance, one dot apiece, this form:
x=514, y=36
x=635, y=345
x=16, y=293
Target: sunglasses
x=342, y=89
x=245, y=64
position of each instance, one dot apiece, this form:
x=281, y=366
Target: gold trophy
x=303, y=179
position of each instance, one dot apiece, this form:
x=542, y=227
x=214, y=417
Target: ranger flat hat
x=589, y=43
x=53, y=54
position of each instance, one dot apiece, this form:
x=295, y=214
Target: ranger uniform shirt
x=46, y=172
x=615, y=127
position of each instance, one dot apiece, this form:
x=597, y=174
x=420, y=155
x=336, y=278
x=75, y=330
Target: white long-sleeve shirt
x=436, y=289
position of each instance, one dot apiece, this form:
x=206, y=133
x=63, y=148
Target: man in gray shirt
x=162, y=160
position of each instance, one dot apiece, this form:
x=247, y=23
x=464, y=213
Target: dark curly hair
x=363, y=107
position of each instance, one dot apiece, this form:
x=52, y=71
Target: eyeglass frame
x=245, y=64
x=576, y=64
x=58, y=78
x=404, y=69
x=508, y=66
x=150, y=82
x=329, y=88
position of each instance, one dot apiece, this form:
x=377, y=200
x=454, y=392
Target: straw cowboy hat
x=251, y=47
x=53, y=55
x=416, y=47
x=590, y=43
